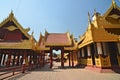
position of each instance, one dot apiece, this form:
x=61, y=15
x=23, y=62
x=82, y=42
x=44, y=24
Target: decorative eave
x=68, y=35
x=46, y=33
x=86, y=39
x=12, y=18
x=25, y=44
x=113, y=6
x=44, y=49
x=73, y=46
x=42, y=40
x=101, y=35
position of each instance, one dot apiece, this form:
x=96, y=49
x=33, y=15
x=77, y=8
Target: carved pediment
x=11, y=28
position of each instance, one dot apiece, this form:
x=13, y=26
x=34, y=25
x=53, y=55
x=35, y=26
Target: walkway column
x=72, y=59
x=18, y=58
x=43, y=58
x=40, y=60
x=1, y=54
x=30, y=61
x=13, y=64
x=24, y=62
x=69, y=60
x=9, y=59
x=51, y=59
x=62, y=57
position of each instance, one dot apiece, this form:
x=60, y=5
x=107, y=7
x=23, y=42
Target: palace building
x=17, y=47
x=99, y=47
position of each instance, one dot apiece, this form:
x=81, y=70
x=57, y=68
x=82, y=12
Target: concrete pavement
x=65, y=74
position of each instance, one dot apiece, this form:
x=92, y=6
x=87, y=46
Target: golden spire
x=94, y=11
x=89, y=18
x=32, y=35
x=114, y=3
x=11, y=15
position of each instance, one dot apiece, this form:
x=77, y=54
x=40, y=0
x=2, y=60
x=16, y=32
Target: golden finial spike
x=114, y=3
x=32, y=33
x=11, y=15
x=89, y=18
x=94, y=11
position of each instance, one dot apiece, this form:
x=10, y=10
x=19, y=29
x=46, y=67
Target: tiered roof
x=58, y=40
x=103, y=28
x=26, y=43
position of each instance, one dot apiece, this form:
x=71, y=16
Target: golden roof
x=13, y=19
x=23, y=44
x=99, y=29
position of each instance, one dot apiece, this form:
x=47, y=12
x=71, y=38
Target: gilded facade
x=100, y=45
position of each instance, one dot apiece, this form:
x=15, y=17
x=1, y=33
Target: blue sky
x=56, y=16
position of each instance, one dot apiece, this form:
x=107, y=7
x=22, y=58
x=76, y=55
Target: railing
x=11, y=71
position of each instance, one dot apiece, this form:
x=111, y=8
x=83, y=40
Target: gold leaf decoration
x=11, y=28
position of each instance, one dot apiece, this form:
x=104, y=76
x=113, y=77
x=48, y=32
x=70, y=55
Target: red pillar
x=51, y=59
x=72, y=59
x=18, y=57
x=62, y=58
x=9, y=59
x=40, y=60
x=1, y=58
x=13, y=64
x=69, y=60
x=30, y=59
x=23, y=64
x=43, y=58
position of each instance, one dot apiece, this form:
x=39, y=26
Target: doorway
x=93, y=53
x=113, y=51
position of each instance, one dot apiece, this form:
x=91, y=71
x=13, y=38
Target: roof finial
x=94, y=11
x=32, y=33
x=114, y=3
x=11, y=15
x=89, y=18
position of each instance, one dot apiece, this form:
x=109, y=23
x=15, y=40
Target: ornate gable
x=10, y=27
x=113, y=13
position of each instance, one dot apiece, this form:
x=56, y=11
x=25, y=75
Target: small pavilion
x=58, y=41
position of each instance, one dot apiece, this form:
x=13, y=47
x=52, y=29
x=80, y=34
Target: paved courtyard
x=65, y=74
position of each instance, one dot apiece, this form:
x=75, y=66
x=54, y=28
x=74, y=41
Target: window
x=105, y=49
x=83, y=52
x=88, y=50
x=99, y=48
